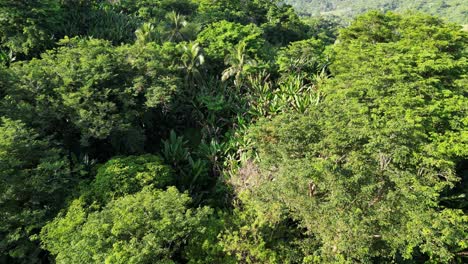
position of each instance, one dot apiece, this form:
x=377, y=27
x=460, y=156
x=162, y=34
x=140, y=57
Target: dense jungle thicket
x=451, y=10
x=230, y=131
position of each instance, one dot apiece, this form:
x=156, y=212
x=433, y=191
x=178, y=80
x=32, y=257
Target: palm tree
x=145, y=34
x=6, y=58
x=237, y=60
x=174, y=26
x=179, y=29
x=192, y=60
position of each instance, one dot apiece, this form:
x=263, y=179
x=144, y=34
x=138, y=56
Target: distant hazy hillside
x=453, y=10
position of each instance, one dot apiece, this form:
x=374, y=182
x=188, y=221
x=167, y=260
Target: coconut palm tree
x=175, y=25
x=145, y=34
x=192, y=60
x=178, y=29
x=237, y=60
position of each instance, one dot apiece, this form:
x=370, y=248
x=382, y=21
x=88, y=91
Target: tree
x=6, y=81
x=150, y=226
x=452, y=10
x=35, y=178
x=153, y=11
x=255, y=233
x=74, y=92
x=97, y=19
x=311, y=147
x=238, y=63
x=302, y=57
x=324, y=28
x=215, y=11
x=88, y=92
x=178, y=29
x=28, y=27
x=146, y=34
x=221, y=37
x=192, y=61
x=283, y=25
x=363, y=172
x=127, y=175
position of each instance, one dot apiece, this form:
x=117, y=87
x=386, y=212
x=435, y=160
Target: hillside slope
x=452, y=10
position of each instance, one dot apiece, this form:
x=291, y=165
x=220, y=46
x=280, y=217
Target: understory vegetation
x=230, y=131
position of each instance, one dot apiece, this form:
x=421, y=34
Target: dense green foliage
x=199, y=131
x=35, y=177
x=147, y=227
x=453, y=10
x=381, y=147
x=126, y=175
x=27, y=26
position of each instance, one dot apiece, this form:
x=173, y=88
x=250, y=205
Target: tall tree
x=88, y=92
x=35, y=179
x=28, y=27
x=192, y=60
x=238, y=61
x=363, y=172
x=150, y=226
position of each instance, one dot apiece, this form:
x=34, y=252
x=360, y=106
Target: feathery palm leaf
x=145, y=34
x=192, y=60
x=238, y=60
